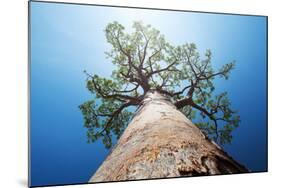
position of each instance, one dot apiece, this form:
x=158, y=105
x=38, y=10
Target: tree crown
x=145, y=61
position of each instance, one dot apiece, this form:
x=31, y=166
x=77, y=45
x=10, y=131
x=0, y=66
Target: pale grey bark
x=161, y=142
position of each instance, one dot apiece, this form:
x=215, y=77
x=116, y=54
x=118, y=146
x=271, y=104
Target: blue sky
x=67, y=39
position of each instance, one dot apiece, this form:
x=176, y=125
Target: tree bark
x=161, y=142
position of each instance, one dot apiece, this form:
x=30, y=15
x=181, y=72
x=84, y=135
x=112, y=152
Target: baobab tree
x=160, y=104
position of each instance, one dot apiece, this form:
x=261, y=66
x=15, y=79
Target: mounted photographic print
x=127, y=93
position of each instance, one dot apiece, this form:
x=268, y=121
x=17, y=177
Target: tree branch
x=183, y=102
x=210, y=115
x=164, y=69
x=104, y=95
x=113, y=115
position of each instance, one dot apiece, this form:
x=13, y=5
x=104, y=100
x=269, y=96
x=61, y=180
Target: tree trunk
x=161, y=142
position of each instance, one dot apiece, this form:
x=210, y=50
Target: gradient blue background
x=67, y=39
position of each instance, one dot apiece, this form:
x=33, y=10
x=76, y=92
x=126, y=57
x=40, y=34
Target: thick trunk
x=161, y=142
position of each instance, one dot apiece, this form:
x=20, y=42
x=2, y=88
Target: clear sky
x=67, y=39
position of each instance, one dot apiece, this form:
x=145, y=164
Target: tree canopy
x=145, y=61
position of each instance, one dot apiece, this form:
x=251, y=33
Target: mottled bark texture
x=161, y=142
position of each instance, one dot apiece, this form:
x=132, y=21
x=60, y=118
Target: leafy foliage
x=145, y=61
